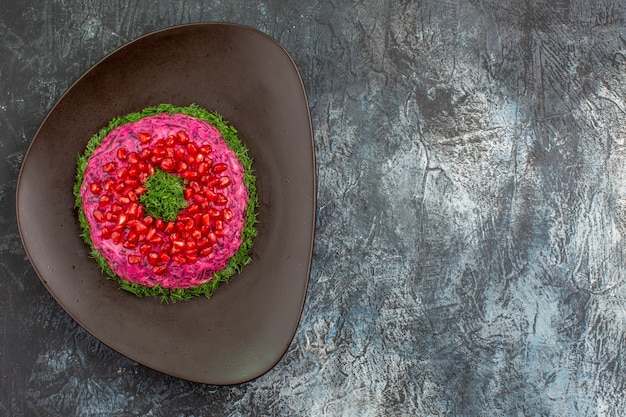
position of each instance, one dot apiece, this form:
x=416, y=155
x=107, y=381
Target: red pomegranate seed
x=167, y=164
x=105, y=232
x=169, y=228
x=178, y=258
x=159, y=270
x=129, y=244
x=134, y=259
x=108, y=167
x=221, y=199
x=202, y=168
x=206, y=251
x=121, y=221
x=116, y=237
x=227, y=214
x=144, y=137
x=122, y=173
x=108, y=184
x=122, y=153
x=145, y=248
x=179, y=154
x=192, y=148
x=95, y=187
x=170, y=140
x=224, y=182
x=164, y=257
x=212, y=237
x=153, y=258
x=97, y=214
x=133, y=158
x=145, y=154
x=104, y=201
x=219, y=168
x=206, y=149
x=182, y=137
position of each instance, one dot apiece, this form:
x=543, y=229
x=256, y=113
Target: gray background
x=469, y=257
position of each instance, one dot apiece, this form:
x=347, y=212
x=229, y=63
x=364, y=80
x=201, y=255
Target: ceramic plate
x=248, y=324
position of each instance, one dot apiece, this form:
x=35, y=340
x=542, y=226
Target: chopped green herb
x=164, y=196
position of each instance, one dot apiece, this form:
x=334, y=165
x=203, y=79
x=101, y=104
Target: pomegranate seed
x=164, y=257
x=159, y=270
x=105, y=232
x=144, y=137
x=145, y=248
x=206, y=219
x=169, y=228
x=192, y=148
x=121, y=221
x=206, y=149
x=116, y=237
x=108, y=184
x=179, y=259
x=122, y=153
x=108, y=167
x=171, y=140
x=179, y=154
x=95, y=187
x=193, y=209
x=178, y=244
x=227, y=214
x=219, y=168
x=182, y=137
x=116, y=208
x=145, y=154
x=104, y=201
x=167, y=164
x=97, y=214
x=134, y=259
x=221, y=199
x=122, y=173
x=212, y=237
x=206, y=251
x=153, y=258
x=133, y=171
x=223, y=182
x=129, y=244
x=133, y=158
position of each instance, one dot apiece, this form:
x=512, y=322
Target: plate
x=248, y=324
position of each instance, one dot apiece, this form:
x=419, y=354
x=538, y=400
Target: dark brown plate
x=246, y=327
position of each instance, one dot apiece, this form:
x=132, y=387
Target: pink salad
x=150, y=162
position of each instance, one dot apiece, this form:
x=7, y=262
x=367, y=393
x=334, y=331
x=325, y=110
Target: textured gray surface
x=469, y=255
